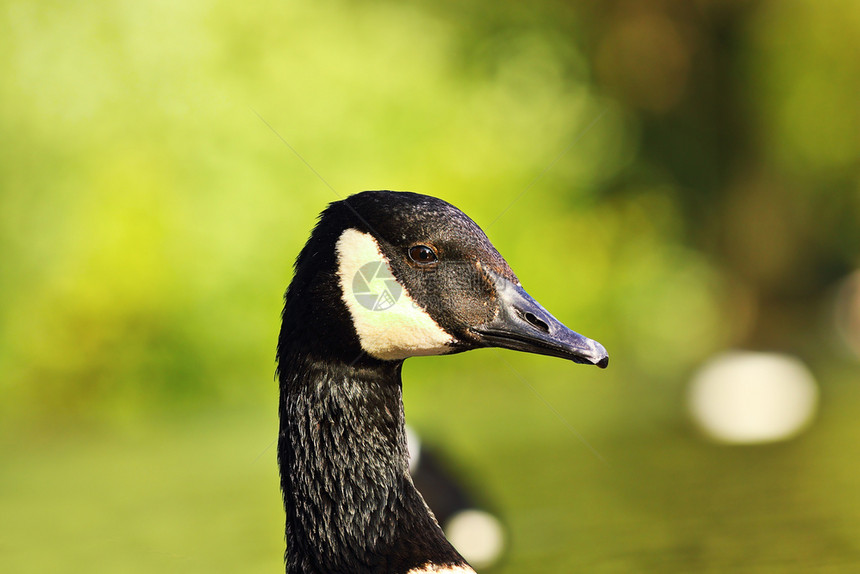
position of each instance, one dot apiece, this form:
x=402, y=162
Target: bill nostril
x=532, y=319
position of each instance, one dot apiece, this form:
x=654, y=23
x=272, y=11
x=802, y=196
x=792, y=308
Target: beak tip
x=598, y=355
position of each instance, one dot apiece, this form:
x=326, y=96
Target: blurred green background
x=673, y=179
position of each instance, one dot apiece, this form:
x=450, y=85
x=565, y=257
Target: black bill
x=522, y=324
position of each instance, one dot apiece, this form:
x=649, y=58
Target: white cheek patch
x=390, y=325
x=433, y=569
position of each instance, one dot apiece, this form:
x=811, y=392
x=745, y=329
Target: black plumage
x=350, y=503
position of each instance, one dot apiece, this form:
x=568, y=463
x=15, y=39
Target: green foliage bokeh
x=151, y=211
x=672, y=179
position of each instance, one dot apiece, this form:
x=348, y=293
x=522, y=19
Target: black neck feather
x=350, y=502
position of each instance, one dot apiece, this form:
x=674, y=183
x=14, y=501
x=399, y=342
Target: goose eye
x=422, y=254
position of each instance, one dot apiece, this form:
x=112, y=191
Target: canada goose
x=350, y=503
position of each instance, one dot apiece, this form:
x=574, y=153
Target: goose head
x=390, y=275
x=385, y=276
